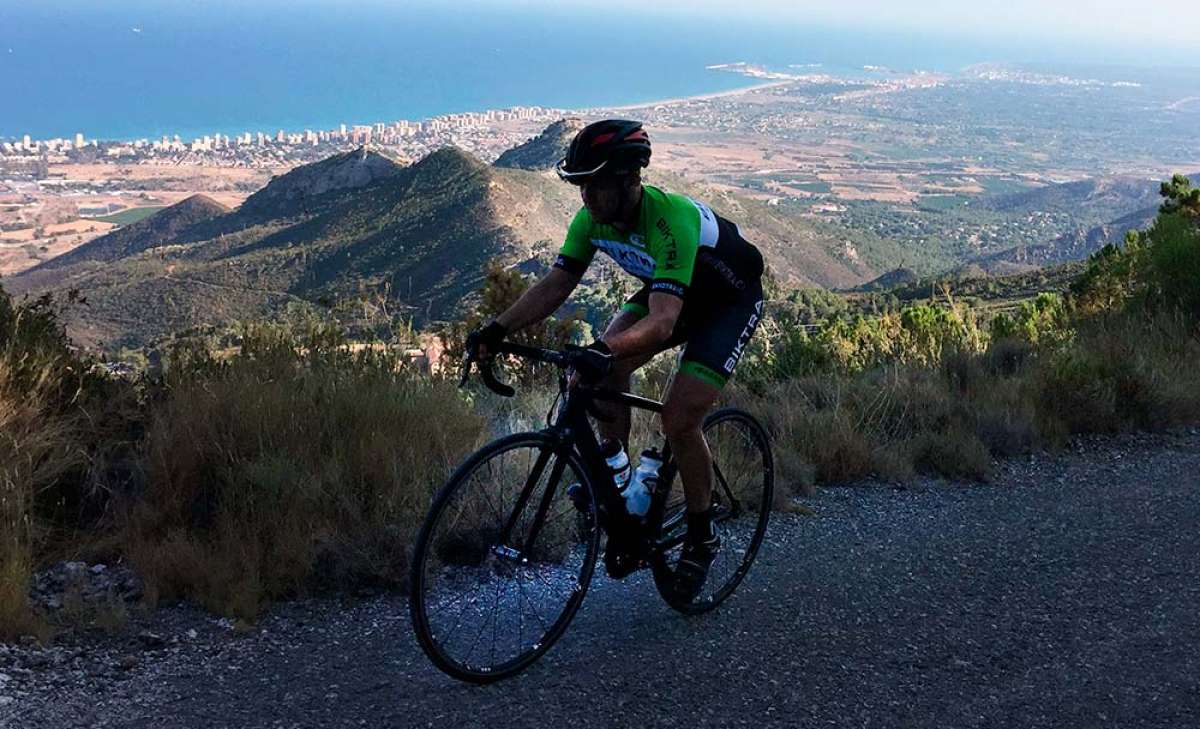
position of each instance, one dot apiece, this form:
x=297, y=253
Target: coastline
x=577, y=111
x=696, y=97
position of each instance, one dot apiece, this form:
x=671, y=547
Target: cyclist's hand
x=591, y=363
x=483, y=342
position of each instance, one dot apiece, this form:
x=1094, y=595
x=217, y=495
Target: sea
x=126, y=69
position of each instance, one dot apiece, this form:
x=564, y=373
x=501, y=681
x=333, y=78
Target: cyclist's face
x=604, y=197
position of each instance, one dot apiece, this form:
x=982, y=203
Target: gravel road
x=1063, y=594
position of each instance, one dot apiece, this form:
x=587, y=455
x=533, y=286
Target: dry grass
x=36, y=450
x=297, y=464
x=282, y=472
x=954, y=419
x=40, y=448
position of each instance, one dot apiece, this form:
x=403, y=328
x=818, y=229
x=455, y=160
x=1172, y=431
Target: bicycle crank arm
x=507, y=552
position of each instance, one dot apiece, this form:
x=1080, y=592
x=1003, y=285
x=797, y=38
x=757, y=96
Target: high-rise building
x=27, y=143
x=78, y=140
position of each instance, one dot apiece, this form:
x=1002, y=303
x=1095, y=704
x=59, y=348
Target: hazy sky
x=1173, y=22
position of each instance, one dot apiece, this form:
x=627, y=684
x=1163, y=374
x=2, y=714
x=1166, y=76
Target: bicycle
x=504, y=535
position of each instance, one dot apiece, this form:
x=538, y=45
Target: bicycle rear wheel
x=743, y=485
x=504, y=558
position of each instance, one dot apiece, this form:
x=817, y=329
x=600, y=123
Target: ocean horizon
x=146, y=69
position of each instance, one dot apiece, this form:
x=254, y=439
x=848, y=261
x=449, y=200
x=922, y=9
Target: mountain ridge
x=149, y=232
x=545, y=150
x=421, y=233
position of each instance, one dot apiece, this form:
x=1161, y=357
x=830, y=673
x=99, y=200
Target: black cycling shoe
x=692, y=569
x=626, y=548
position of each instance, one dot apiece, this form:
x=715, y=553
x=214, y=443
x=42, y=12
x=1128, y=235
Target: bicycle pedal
x=619, y=565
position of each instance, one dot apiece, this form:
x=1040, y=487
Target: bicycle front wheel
x=743, y=486
x=504, y=558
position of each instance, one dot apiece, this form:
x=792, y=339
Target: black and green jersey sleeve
x=673, y=238
x=577, y=250
x=678, y=244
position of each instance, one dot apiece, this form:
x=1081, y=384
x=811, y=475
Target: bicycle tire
x=742, y=534
x=443, y=562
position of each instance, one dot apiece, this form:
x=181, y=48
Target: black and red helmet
x=612, y=146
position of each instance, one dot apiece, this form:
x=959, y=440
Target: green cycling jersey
x=679, y=244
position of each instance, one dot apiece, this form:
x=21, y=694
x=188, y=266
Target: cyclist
x=701, y=288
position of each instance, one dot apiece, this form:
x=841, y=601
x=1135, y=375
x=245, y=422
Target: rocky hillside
x=545, y=150
x=291, y=192
x=1073, y=246
x=1100, y=199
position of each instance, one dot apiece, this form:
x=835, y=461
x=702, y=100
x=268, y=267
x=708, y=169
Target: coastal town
x=475, y=131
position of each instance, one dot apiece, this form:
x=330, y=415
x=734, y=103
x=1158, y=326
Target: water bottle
x=618, y=462
x=618, y=466
x=645, y=479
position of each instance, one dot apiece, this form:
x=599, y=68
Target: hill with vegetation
x=296, y=190
x=211, y=477
x=162, y=227
x=359, y=224
x=1098, y=198
x=896, y=277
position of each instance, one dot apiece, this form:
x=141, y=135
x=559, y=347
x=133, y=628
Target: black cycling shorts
x=716, y=331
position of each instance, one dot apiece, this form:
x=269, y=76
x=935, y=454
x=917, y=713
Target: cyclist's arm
x=540, y=300
x=649, y=333
x=545, y=296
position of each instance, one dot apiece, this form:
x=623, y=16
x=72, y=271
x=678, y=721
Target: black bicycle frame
x=572, y=430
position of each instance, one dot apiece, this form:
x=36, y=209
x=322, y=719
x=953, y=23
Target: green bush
x=1043, y=320
x=1157, y=269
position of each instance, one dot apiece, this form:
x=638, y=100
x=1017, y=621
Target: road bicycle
x=509, y=546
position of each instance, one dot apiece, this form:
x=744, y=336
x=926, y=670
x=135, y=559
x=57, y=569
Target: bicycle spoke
x=488, y=605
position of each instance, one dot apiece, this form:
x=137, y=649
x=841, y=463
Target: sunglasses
x=592, y=178
x=581, y=177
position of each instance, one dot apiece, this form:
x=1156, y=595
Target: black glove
x=489, y=336
x=592, y=362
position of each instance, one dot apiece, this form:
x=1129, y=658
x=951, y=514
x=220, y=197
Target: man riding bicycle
x=702, y=288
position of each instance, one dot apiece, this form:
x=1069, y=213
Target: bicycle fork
x=503, y=548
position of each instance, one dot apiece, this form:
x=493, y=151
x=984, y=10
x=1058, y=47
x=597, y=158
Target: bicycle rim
x=485, y=607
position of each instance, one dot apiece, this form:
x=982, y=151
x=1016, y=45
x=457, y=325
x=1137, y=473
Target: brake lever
x=466, y=369
x=489, y=379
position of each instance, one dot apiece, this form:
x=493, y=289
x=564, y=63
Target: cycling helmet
x=612, y=146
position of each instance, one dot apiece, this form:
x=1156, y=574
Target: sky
x=1174, y=23
x=1123, y=23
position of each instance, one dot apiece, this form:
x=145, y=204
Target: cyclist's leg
x=720, y=336
x=713, y=351
x=688, y=401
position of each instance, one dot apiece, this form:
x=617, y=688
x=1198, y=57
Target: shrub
x=501, y=288
x=1157, y=269
x=1174, y=257
x=294, y=463
x=1042, y=320
x=42, y=451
